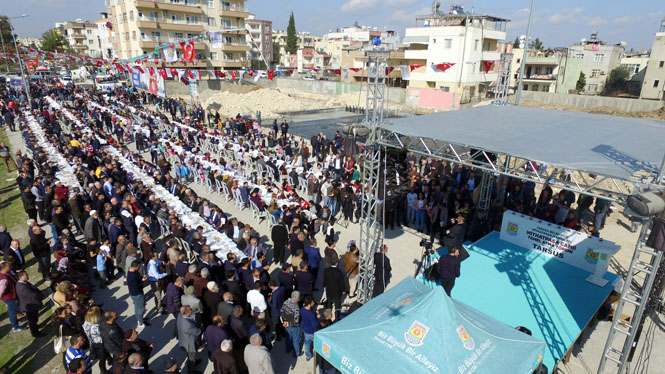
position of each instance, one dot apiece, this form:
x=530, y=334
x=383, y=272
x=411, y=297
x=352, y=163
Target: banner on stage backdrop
x=146, y=82
x=551, y=240
x=193, y=88
x=16, y=83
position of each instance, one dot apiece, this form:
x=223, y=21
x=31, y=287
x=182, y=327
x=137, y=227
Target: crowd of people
x=110, y=228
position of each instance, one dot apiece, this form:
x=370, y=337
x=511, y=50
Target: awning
x=416, y=40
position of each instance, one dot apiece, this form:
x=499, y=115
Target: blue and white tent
x=412, y=328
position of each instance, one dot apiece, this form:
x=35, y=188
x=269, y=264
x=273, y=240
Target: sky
x=556, y=23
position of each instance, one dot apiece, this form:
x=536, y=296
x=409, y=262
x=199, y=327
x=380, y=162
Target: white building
x=106, y=38
x=653, y=86
x=468, y=41
x=261, y=31
x=82, y=36
x=598, y=60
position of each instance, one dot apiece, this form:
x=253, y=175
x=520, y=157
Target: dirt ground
x=656, y=114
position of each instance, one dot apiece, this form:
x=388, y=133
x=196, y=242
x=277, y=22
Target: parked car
x=309, y=78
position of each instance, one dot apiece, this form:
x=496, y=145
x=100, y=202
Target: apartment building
x=82, y=36
x=261, y=31
x=334, y=43
x=598, y=60
x=551, y=71
x=142, y=25
x=353, y=57
x=469, y=41
x=105, y=37
x=653, y=86
x=282, y=58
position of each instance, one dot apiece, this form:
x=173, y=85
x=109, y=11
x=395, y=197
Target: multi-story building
x=472, y=42
x=598, y=60
x=636, y=65
x=546, y=72
x=353, y=57
x=27, y=42
x=335, y=42
x=82, y=36
x=261, y=31
x=653, y=86
x=305, y=40
x=106, y=37
x=142, y=25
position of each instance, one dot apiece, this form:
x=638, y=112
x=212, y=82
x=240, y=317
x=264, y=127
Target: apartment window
x=211, y=21
x=592, y=87
x=579, y=55
x=225, y=22
x=90, y=42
x=189, y=36
x=595, y=73
x=175, y=1
x=124, y=17
x=192, y=19
x=126, y=36
x=662, y=63
x=89, y=32
x=178, y=35
x=598, y=57
x=655, y=83
x=526, y=87
x=139, y=14
x=228, y=56
x=447, y=43
x=213, y=56
x=155, y=35
x=176, y=17
x=133, y=35
x=444, y=88
x=131, y=15
x=476, y=44
x=211, y=3
x=154, y=16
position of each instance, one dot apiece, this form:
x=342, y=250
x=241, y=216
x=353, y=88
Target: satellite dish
x=522, y=45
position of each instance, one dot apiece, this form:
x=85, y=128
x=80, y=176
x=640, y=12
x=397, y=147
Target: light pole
x=26, y=82
x=526, y=50
x=2, y=39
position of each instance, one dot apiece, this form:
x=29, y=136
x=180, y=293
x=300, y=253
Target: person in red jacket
x=8, y=294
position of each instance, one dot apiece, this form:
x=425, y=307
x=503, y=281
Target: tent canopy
x=412, y=328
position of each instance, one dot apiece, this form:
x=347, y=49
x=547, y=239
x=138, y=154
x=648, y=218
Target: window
x=176, y=17
x=139, y=14
x=526, y=87
x=444, y=88
x=228, y=56
x=225, y=22
x=154, y=16
x=211, y=21
x=192, y=19
x=211, y=3
x=213, y=56
x=131, y=15
x=155, y=35
x=655, y=83
x=598, y=57
x=447, y=43
x=595, y=73
x=592, y=88
x=579, y=55
x=89, y=32
x=662, y=63
x=90, y=42
x=476, y=44
x=133, y=35
x=124, y=17
x=228, y=40
x=178, y=35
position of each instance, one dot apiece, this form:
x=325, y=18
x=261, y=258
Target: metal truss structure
x=371, y=227
x=503, y=80
x=603, y=186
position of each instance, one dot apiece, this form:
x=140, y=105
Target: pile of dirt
x=656, y=114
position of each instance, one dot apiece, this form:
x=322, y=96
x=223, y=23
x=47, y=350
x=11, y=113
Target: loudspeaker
x=646, y=204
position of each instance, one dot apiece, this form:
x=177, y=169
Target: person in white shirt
x=154, y=276
x=256, y=300
x=411, y=199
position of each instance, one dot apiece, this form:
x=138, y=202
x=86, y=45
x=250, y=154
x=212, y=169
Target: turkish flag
x=270, y=74
x=162, y=72
x=139, y=69
x=189, y=72
x=488, y=66
x=389, y=70
x=151, y=71
x=444, y=67
x=415, y=66
x=174, y=72
x=251, y=72
x=337, y=71
x=220, y=74
x=355, y=70
x=233, y=75
x=188, y=51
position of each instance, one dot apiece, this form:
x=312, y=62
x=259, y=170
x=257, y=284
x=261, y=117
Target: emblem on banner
x=416, y=334
x=466, y=338
x=512, y=228
x=591, y=256
x=325, y=350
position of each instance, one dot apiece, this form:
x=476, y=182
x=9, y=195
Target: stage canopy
x=412, y=328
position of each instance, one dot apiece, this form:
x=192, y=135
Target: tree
x=516, y=43
x=6, y=33
x=617, y=81
x=291, y=36
x=53, y=40
x=537, y=45
x=581, y=83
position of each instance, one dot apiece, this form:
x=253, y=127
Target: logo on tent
x=512, y=228
x=592, y=256
x=416, y=334
x=466, y=339
x=326, y=350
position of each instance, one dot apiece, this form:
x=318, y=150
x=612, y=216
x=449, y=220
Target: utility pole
x=2, y=39
x=526, y=50
x=26, y=80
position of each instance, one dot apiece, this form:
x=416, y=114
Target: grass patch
x=20, y=352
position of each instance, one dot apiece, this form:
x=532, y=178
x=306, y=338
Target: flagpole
x=526, y=49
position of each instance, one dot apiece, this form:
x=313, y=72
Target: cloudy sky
x=559, y=23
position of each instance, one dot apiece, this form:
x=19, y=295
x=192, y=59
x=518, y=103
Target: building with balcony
x=142, y=25
x=465, y=40
x=105, y=37
x=653, y=86
x=29, y=41
x=552, y=72
x=598, y=60
x=82, y=36
x=261, y=31
x=305, y=40
x=353, y=57
x=334, y=42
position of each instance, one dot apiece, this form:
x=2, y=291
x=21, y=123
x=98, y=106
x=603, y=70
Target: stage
x=520, y=287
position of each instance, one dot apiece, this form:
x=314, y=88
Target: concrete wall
x=582, y=101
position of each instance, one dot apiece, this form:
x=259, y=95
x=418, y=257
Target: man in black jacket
x=30, y=302
x=449, y=268
x=382, y=271
x=29, y=203
x=112, y=334
x=335, y=285
x=455, y=236
x=280, y=237
x=41, y=249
